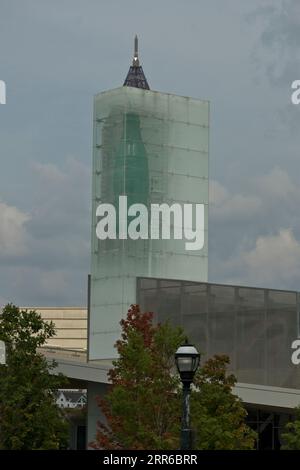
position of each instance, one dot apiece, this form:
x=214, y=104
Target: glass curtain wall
x=153, y=148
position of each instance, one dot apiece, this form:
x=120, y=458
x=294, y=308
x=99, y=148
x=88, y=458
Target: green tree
x=141, y=408
x=143, y=405
x=218, y=416
x=291, y=435
x=29, y=417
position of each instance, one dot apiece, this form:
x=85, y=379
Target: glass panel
x=153, y=148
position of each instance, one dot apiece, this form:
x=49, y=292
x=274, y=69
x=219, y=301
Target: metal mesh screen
x=254, y=327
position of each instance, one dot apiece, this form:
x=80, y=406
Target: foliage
x=29, y=417
x=143, y=406
x=291, y=435
x=218, y=415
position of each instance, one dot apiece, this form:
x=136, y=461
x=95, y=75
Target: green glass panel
x=153, y=148
x=130, y=171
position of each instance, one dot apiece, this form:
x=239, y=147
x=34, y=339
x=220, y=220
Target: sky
x=55, y=55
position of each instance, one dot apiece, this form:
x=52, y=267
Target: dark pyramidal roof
x=136, y=77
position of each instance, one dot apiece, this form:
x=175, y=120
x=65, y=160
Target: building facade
x=152, y=148
x=255, y=327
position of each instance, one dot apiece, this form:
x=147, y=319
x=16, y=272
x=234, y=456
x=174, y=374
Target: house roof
x=72, y=395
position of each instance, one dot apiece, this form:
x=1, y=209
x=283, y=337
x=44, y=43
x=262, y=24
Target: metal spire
x=135, y=77
x=135, y=61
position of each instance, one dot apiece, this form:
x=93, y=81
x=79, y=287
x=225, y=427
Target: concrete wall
x=93, y=412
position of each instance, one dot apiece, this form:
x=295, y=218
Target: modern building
x=70, y=326
x=255, y=327
x=153, y=148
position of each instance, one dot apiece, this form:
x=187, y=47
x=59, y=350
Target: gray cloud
x=56, y=55
x=226, y=206
x=274, y=261
x=279, y=37
x=13, y=232
x=264, y=228
x=46, y=252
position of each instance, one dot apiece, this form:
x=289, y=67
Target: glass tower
x=153, y=148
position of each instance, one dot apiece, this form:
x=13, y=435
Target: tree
x=291, y=435
x=143, y=405
x=141, y=408
x=29, y=417
x=218, y=416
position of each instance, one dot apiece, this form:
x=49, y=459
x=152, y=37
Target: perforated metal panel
x=255, y=327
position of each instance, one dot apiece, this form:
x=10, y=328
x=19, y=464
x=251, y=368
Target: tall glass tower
x=153, y=148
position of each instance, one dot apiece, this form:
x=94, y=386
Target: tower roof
x=136, y=77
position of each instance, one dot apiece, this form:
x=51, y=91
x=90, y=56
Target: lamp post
x=187, y=360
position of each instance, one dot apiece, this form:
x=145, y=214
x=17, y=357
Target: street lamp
x=187, y=360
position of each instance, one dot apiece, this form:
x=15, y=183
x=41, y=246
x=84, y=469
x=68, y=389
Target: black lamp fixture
x=187, y=360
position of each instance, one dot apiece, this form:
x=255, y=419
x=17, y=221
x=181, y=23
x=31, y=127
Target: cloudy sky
x=56, y=54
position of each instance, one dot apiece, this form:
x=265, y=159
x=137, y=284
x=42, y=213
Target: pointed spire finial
x=135, y=61
x=136, y=77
